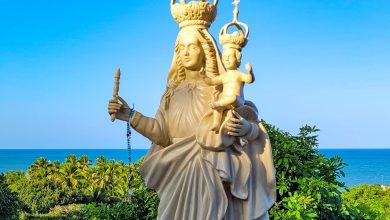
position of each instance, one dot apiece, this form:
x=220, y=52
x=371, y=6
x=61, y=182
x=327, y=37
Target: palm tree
x=120, y=180
x=41, y=169
x=69, y=175
x=95, y=188
x=84, y=172
x=54, y=177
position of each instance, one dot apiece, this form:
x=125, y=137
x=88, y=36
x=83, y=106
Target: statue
x=195, y=171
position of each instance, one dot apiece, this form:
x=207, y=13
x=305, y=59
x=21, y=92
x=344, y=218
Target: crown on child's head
x=237, y=39
x=195, y=13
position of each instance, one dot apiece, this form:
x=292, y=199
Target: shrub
x=8, y=201
x=142, y=204
x=372, y=201
x=48, y=184
x=36, y=196
x=67, y=212
x=307, y=181
x=145, y=200
x=119, y=210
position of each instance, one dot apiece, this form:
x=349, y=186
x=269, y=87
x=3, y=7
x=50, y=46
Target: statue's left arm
x=242, y=126
x=239, y=126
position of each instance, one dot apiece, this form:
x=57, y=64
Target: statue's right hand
x=120, y=109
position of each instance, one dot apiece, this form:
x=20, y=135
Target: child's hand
x=248, y=67
x=250, y=77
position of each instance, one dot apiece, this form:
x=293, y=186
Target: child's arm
x=213, y=81
x=248, y=78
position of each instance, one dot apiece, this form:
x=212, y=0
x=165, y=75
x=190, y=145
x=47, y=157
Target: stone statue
x=195, y=171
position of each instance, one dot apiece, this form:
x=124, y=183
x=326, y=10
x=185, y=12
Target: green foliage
x=372, y=201
x=145, y=200
x=296, y=206
x=8, y=201
x=47, y=189
x=40, y=188
x=67, y=212
x=108, y=181
x=71, y=211
x=307, y=187
x=307, y=184
x=119, y=210
x=142, y=204
x=48, y=184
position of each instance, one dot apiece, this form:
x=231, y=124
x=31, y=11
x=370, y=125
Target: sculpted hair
x=209, y=52
x=181, y=73
x=211, y=61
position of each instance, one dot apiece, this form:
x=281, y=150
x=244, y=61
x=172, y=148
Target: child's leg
x=217, y=116
x=224, y=101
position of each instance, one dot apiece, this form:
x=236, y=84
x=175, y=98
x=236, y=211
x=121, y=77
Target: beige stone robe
x=193, y=174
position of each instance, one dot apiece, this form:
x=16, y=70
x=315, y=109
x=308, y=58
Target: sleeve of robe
x=152, y=128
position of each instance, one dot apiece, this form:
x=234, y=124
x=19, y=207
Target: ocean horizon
x=365, y=166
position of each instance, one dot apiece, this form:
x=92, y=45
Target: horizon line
x=53, y=148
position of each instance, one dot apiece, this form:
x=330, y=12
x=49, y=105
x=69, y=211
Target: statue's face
x=191, y=52
x=229, y=58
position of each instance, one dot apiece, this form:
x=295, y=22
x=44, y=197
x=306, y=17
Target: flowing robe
x=194, y=174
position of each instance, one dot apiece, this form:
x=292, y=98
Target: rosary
x=128, y=134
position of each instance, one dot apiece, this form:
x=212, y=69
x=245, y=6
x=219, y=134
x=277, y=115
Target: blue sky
x=323, y=63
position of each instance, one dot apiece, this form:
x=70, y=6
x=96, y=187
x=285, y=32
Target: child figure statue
x=233, y=80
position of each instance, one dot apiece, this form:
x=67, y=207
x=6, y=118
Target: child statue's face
x=230, y=59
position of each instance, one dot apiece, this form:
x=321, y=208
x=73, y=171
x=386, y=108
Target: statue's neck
x=193, y=75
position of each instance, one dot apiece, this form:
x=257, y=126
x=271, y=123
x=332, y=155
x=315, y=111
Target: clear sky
x=323, y=63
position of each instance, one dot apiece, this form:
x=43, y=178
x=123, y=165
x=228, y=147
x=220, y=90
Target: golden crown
x=194, y=13
x=236, y=39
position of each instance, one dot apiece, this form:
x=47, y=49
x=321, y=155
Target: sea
x=365, y=166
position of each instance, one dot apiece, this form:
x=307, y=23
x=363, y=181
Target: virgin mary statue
x=196, y=172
